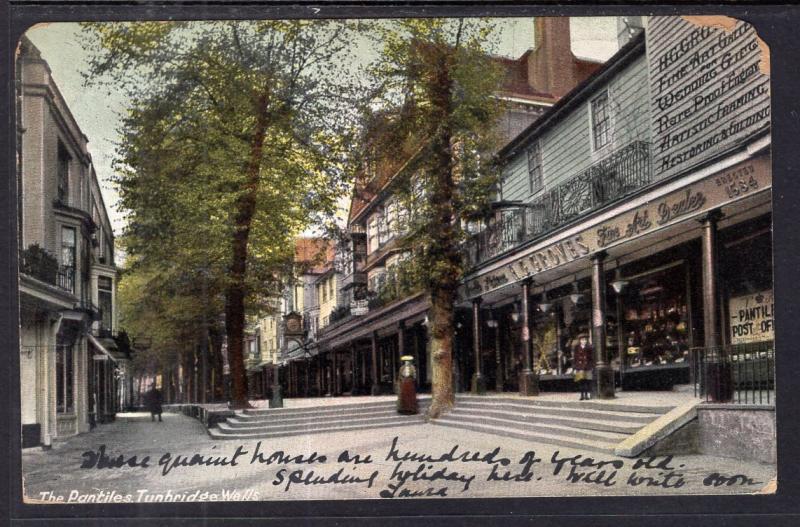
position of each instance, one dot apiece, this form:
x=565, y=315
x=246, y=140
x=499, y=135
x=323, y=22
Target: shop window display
x=655, y=320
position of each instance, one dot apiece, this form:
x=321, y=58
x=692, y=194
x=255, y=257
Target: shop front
x=643, y=280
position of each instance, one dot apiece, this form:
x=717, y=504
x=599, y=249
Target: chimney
x=628, y=27
x=552, y=66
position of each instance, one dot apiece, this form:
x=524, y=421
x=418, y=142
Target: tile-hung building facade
x=641, y=216
x=362, y=343
x=70, y=362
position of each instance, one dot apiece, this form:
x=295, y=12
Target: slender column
x=334, y=373
x=376, y=389
x=604, y=384
x=363, y=367
x=401, y=350
x=498, y=372
x=319, y=375
x=353, y=369
x=478, y=380
x=277, y=396
x=528, y=380
x=415, y=347
x=710, y=286
x=717, y=380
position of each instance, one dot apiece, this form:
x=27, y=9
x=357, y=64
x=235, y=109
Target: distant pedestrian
x=583, y=362
x=153, y=400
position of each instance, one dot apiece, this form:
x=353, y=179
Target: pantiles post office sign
x=742, y=180
x=708, y=89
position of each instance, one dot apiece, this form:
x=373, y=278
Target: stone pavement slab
x=182, y=462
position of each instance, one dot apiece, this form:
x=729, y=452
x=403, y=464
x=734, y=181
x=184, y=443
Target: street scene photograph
x=339, y=259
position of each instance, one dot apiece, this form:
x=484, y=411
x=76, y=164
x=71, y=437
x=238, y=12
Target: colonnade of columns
x=604, y=373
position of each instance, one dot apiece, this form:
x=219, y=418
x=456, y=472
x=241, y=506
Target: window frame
x=73, y=252
x=538, y=167
x=594, y=124
x=63, y=162
x=65, y=379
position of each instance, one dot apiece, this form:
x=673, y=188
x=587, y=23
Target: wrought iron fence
x=739, y=373
x=608, y=180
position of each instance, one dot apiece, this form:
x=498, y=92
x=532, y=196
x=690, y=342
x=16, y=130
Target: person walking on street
x=152, y=401
x=583, y=362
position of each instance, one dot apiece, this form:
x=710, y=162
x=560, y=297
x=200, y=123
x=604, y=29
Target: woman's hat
x=583, y=336
x=406, y=358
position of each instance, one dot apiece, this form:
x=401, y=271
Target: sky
x=98, y=112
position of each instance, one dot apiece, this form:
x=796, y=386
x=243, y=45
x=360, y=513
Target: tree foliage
x=235, y=142
x=434, y=86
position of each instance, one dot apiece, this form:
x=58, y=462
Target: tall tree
x=437, y=77
x=234, y=144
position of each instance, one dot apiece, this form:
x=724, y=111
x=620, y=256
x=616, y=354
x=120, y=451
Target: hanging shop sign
x=709, y=89
x=740, y=181
x=751, y=318
x=359, y=307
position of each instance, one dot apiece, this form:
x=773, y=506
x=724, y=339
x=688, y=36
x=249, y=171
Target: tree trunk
x=235, y=292
x=444, y=249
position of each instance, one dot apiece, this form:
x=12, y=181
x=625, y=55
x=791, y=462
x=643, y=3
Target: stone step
x=242, y=421
x=307, y=425
x=591, y=404
x=216, y=433
x=575, y=413
x=322, y=409
x=565, y=439
x=597, y=423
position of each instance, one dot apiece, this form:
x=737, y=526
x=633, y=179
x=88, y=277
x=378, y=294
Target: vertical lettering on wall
x=708, y=90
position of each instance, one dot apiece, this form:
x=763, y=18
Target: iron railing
x=39, y=264
x=738, y=373
x=608, y=180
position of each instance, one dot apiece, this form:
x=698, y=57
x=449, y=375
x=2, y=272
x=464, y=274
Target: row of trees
x=243, y=134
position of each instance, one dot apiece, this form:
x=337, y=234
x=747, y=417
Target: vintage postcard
x=432, y=258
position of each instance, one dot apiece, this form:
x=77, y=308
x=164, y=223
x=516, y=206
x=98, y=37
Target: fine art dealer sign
x=739, y=181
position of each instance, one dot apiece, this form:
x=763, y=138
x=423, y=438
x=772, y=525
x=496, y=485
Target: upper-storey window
x=105, y=287
x=391, y=218
x=535, y=172
x=68, y=248
x=63, y=173
x=372, y=234
x=601, y=121
x=383, y=230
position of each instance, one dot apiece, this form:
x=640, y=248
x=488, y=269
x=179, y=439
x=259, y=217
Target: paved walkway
x=268, y=477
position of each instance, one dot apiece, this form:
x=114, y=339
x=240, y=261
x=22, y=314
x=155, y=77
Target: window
x=391, y=219
x=68, y=252
x=63, y=174
x=324, y=293
x=64, y=379
x=383, y=231
x=372, y=234
x=535, y=167
x=601, y=122
x=104, y=298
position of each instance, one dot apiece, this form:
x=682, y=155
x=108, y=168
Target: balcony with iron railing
x=43, y=266
x=610, y=179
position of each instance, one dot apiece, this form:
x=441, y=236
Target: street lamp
x=544, y=304
x=576, y=296
x=515, y=312
x=618, y=284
